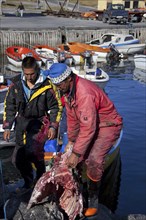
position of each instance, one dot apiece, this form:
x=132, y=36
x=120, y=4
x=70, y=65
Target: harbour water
x=129, y=96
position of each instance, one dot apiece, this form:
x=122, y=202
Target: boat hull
x=16, y=63
x=16, y=54
x=101, y=80
x=131, y=48
x=140, y=61
x=46, y=53
x=112, y=154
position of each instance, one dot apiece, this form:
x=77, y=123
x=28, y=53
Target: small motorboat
x=16, y=54
x=125, y=44
x=80, y=50
x=96, y=75
x=140, y=61
x=47, y=53
x=116, y=39
x=82, y=47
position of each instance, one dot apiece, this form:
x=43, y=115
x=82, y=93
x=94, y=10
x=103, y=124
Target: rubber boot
x=93, y=191
x=92, y=204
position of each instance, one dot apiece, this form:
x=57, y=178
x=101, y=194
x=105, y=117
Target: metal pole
x=1, y=8
x=38, y=4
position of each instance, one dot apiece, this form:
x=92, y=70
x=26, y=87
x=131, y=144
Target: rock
x=16, y=209
x=136, y=217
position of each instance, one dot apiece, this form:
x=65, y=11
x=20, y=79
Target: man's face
x=30, y=75
x=64, y=86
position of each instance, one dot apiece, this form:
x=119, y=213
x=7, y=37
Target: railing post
x=1, y=8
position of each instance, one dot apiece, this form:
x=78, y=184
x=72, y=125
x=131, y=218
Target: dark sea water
x=129, y=96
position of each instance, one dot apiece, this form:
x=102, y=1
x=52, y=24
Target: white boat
x=140, y=61
x=79, y=51
x=95, y=75
x=46, y=53
x=13, y=68
x=125, y=44
x=15, y=55
x=131, y=48
x=116, y=39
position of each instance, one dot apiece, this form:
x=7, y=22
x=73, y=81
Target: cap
x=58, y=72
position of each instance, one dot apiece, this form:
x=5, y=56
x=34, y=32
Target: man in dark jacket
x=33, y=103
x=93, y=124
x=20, y=9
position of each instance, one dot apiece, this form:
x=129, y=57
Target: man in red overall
x=93, y=123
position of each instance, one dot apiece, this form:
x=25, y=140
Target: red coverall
x=93, y=125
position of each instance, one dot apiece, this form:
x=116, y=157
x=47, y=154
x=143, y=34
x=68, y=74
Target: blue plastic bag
x=51, y=146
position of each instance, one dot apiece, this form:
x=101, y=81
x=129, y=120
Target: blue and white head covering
x=58, y=72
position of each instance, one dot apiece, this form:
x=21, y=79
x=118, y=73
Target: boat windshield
x=107, y=38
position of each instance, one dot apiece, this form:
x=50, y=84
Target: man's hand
x=68, y=146
x=51, y=133
x=6, y=135
x=73, y=160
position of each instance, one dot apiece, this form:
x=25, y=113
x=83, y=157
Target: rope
x=4, y=208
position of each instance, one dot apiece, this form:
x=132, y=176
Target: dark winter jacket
x=43, y=101
x=20, y=7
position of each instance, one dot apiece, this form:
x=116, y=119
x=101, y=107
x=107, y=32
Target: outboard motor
x=114, y=53
x=113, y=48
x=87, y=54
x=88, y=58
